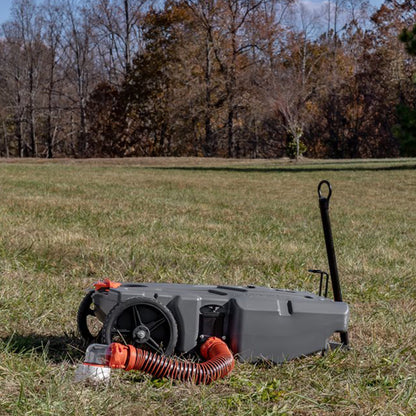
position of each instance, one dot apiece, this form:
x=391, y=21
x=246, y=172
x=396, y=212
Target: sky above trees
x=5, y=6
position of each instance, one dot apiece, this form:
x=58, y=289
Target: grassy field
x=66, y=224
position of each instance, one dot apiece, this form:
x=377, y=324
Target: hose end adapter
x=120, y=356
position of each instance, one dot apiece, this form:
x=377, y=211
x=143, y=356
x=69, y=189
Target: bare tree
x=205, y=13
x=225, y=23
x=25, y=13
x=296, y=81
x=117, y=33
x=12, y=84
x=77, y=48
x=51, y=37
x=26, y=54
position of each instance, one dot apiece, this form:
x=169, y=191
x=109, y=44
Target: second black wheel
x=89, y=326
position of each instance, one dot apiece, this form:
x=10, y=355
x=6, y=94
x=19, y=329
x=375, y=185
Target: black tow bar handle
x=329, y=242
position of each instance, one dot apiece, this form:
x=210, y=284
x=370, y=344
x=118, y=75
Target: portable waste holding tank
x=256, y=323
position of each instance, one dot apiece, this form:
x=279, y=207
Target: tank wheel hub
x=141, y=334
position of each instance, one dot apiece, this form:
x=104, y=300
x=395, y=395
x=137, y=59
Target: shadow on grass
x=55, y=348
x=293, y=169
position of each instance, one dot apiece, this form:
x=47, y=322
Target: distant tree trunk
x=49, y=136
x=127, y=54
x=6, y=141
x=52, y=36
x=18, y=125
x=79, y=51
x=209, y=147
x=83, y=136
x=230, y=127
x=31, y=113
x=231, y=79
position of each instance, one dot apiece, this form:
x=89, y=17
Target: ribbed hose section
x=220, y=362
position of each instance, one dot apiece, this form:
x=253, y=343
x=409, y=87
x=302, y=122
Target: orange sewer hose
x=220, y=362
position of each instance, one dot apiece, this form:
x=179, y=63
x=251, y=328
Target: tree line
x=227, y=78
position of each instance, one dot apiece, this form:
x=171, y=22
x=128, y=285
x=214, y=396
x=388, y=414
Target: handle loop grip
x=324, y=182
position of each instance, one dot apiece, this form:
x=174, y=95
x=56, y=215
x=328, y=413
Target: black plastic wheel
x=142, y=322
x=89, y=326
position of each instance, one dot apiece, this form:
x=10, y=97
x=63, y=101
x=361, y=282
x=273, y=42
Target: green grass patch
x=65, y=224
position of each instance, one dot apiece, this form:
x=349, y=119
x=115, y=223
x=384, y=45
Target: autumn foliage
x=227, y=78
